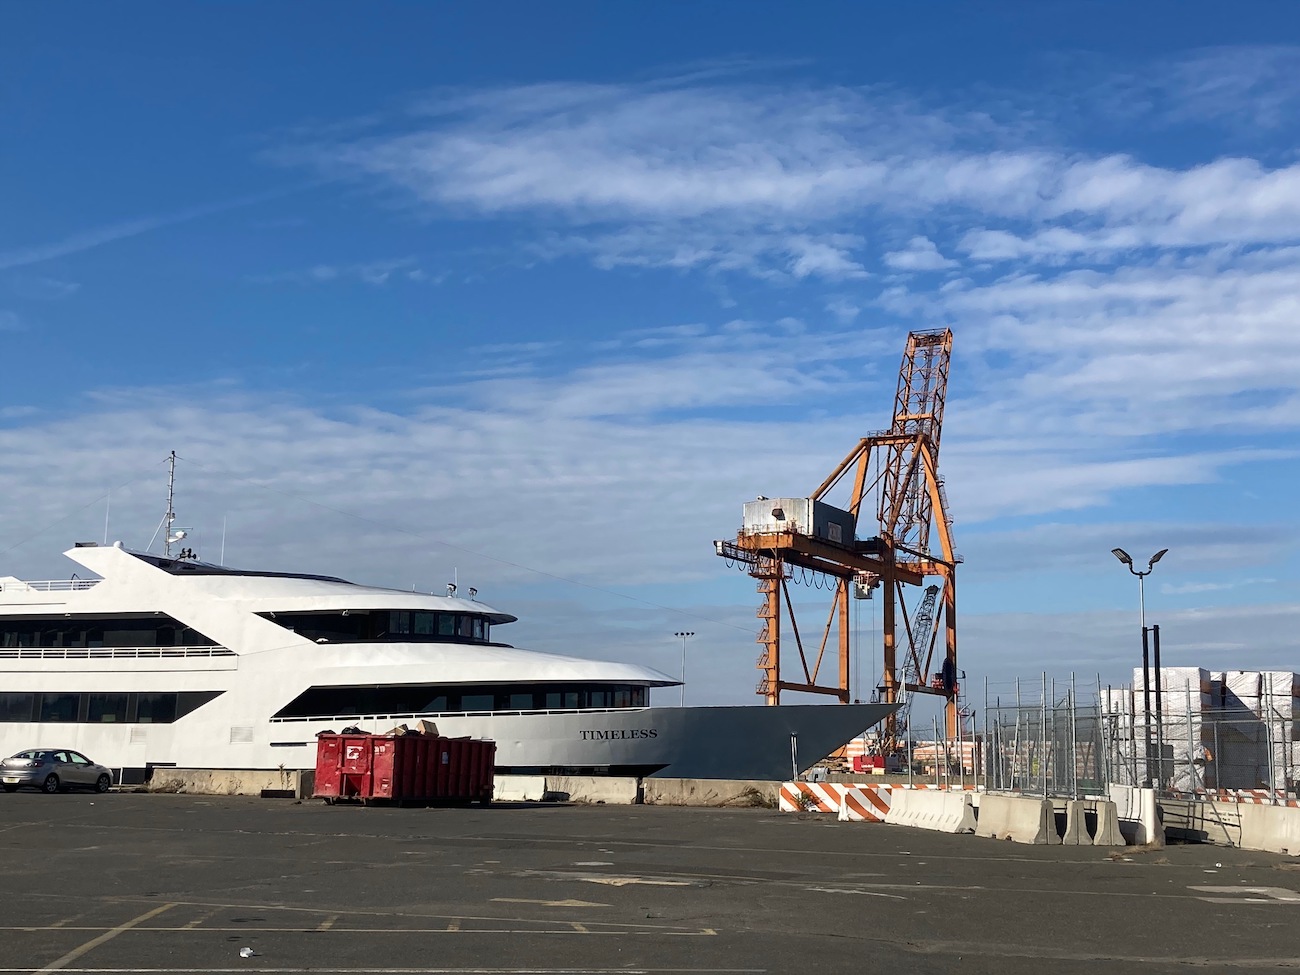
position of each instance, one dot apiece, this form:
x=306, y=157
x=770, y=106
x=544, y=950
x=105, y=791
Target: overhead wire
x=58, y=521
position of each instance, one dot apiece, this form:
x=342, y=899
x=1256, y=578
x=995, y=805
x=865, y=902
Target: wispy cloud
x=774, y=256
x=1240, y=87
x=41, y=288
x=10, y=322
x=367, y=272
x=752, y=178
x=99, y=236
x=1196, y=588
x=920, y=254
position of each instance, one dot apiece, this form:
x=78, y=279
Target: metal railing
x=50, y=585
x=416, y=715
x=109, y=653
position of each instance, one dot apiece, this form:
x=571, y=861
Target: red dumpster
x=404, y=768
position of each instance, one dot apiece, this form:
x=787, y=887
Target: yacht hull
x=752, y=742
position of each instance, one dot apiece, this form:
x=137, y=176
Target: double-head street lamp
x=684, y=635
x=1127, y=559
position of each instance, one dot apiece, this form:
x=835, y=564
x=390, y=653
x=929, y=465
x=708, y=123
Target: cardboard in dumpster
x=421, y=727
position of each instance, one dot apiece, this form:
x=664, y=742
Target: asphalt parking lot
x=166, y=883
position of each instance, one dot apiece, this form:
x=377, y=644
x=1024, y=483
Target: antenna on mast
x=171, y=497
x=170, y=536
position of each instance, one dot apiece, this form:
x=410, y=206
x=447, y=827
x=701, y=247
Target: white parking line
x=317, y=970
x=1266, y=895
x=108, y=935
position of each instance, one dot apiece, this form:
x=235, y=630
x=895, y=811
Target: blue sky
x=540, y=295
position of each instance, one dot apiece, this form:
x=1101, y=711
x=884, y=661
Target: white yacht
x=162, y=661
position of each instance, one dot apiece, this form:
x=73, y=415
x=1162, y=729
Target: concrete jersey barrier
x=519, y=788
x=1091, y=822
x=1139, y=816
x=1016, y=818
x=1274, y=829
x=943, y=812
x=710, y=792
x=594, y=789
x=233, y=782
x=1107, y=832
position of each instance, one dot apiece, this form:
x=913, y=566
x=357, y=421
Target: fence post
x=1042, y=737
x=1074, y=735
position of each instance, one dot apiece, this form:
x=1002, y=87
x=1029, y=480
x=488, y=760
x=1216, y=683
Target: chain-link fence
x=1041, y=739
x=1188, y=739
x=1180, y=735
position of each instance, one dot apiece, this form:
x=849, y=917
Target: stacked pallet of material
x=1280, y=700
x=1238, y=733
x=1186, y=705
x=1255, y=729
x=1175, y=684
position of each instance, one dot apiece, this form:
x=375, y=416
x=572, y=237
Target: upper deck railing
x=50, y=585
x=111, y=653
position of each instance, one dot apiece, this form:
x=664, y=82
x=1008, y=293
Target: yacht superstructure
x=165, y=661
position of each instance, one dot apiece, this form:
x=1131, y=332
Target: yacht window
x=100, y=708
x=59, y=707
x=130, y=637
x=106, y=708
x=151, y=631
x=15, y=707
x=156, y=708
x=416, y=699
x=395, y=625
x=438, y=702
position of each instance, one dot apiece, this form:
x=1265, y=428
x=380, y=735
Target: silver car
x=52, y=769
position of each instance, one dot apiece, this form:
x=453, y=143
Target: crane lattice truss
x=912, y=541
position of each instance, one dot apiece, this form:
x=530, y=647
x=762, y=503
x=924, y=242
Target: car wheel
x=11, y=788
x=51, y=784
x=104, y=783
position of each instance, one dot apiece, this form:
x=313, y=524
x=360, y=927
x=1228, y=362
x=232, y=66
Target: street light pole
x=684, y=634
x=1127, y=559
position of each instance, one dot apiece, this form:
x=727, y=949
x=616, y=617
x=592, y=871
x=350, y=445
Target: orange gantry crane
x=785, y=540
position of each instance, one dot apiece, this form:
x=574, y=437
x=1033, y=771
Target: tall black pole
x=1146, y=703
x=1160, y=723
